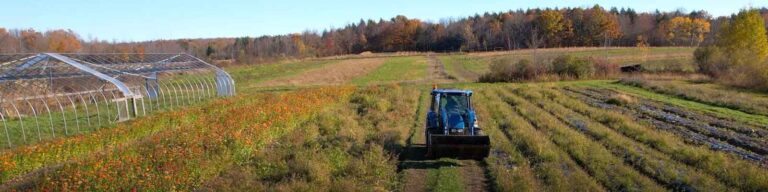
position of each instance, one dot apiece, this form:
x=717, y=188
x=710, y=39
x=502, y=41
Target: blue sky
x=138, y=20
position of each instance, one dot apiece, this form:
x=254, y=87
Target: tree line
x=509, y=30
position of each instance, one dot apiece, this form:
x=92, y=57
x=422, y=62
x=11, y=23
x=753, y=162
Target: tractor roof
x=451, y=91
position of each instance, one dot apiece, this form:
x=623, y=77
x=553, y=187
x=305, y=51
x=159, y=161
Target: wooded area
x=514, y=29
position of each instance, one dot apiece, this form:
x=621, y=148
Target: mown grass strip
x=596, y=159
x=396, y=70
x=465, y=68
x=721, y=112
x=446, y=178
x=711, y=94
x=419, y=117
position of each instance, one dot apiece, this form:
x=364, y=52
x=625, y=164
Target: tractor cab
x=452, y=129
x=451, y=111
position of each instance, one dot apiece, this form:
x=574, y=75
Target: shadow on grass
x=414, y=157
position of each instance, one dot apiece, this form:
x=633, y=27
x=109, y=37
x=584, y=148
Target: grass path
x=437, y=71
x=747, y=101
x=413, y=175
x=722, y=112
x=463, y=67
x=399, y=69
x=420, y=173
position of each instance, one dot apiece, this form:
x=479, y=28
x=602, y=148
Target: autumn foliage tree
x=5, y=38
x=554, y=27
x=685, y=30
x=600, y=26
x=740, y=52
x=507, y=30
x=63, y=41
x=401, y=34
x=30, y=40
x=298, y=43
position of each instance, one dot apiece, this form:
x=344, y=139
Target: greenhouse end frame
x=48, y=94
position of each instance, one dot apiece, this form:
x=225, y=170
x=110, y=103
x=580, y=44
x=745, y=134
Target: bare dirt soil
x=334, y=74
x=474, y=174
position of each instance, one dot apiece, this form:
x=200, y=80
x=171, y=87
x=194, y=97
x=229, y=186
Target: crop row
x=652, y=163
x=336, y=149
x=748, y=144
x=731, y=170
x=24, y=159
x=550, y=139
x=523, y=158
x=180, y=150
x=606, y=168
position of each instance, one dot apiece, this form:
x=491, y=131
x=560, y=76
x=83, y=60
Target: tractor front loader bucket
x=459, y=146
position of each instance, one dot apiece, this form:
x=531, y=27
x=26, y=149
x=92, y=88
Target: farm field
x=395, y=70
x=334, y=74
x=250, y=77
x=358, y=125
x=469, y=67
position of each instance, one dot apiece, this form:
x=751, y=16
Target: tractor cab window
x=456, y=103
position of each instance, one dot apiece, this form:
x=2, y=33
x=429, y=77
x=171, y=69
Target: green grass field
x=396, y=70
x=368, y=135
x=463, y=67
x=469, y=67
x=246, y=77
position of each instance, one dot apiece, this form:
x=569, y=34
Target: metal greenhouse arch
x=48, y=95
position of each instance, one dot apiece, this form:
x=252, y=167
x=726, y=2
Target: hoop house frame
x=46, y=95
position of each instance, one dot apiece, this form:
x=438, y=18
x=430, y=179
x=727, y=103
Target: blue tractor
x=452, y=129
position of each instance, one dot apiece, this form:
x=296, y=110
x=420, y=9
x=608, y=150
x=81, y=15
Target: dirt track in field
x=415, y=166
x=474, y=174
x=437, y=72
x=334, y=74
